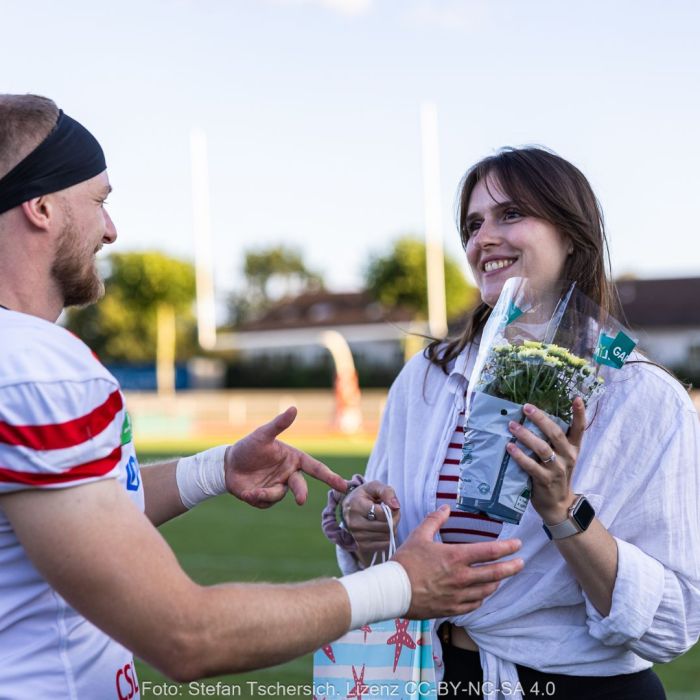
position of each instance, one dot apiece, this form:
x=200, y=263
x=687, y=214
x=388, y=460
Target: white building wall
x=672, y=346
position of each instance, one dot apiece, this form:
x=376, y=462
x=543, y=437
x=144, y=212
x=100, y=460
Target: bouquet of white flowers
x=543, y=374
x=543, y=348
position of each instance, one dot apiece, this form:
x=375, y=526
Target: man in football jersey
x=85, y=578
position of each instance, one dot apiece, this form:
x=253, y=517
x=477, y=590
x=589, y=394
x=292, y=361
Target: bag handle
x=392, y=540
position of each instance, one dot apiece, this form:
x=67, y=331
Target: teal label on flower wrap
x=613, y=351
x=512, y=313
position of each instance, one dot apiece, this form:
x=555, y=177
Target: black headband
x=68, y=155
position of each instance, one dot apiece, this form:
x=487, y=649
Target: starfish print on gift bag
x=394, y=657
x=360, y=688
x=401, y=638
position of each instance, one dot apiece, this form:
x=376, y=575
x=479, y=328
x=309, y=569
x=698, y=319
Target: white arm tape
x=381, y=592
x=201, y=476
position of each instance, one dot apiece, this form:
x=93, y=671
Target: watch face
x=583, y=514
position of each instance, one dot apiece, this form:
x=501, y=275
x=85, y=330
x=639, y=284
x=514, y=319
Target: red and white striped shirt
x=62, y=423
x=461, y=527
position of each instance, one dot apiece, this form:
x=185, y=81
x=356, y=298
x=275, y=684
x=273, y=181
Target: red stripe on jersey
x=58, y=436
x=461, y=526
x=98, y=467
x=460, y=531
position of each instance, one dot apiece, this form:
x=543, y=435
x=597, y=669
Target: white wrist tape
x=201, y=476
x=382, y=592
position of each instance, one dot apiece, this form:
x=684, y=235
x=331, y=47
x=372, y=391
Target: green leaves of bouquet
x=544, y=374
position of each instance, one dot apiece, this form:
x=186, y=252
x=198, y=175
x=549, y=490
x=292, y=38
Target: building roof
x=323, y=308
x=646, y=303
x=661, y=302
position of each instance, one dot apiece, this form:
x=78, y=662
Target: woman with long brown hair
x=611, y=584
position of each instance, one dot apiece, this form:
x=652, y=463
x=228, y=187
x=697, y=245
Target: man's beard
x=73, y=272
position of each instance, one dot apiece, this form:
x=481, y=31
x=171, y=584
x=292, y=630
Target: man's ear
x=40, y=211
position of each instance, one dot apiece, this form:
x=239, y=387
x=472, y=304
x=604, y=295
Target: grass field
x=225, y=540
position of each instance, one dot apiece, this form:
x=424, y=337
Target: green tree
x=271, y=274
x=122, y=327
x=400, y=278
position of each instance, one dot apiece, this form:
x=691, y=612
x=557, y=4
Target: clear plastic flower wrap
x=539, y=347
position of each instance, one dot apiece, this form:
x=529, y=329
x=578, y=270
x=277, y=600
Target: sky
x=311, y=110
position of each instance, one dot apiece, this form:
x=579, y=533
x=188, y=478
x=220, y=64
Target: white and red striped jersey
x=62, y=423
x=460, y=526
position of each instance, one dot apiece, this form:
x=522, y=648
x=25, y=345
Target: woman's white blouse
x=640, y=468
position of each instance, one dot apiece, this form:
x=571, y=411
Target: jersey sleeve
x=56, y=434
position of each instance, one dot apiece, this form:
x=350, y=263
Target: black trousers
x=463, y=679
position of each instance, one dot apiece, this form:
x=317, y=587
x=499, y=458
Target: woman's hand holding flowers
x=552, y=495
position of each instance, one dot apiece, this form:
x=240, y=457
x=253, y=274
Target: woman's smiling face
x=503, y=242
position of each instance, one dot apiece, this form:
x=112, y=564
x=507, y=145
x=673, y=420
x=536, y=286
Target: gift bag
x=391, y=658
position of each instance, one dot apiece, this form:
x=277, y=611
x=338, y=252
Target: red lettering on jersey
x=130, y=674
x=120, y=672
x=127, y=672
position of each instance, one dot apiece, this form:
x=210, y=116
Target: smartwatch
x=581, y=515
